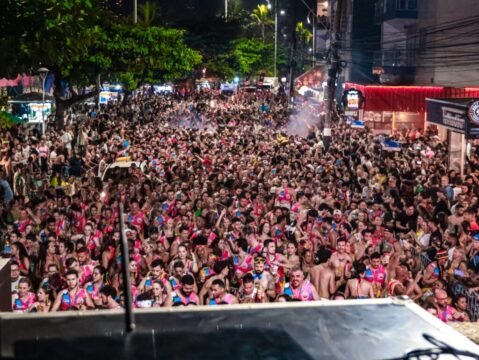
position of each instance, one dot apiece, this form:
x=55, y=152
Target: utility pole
x=135, y=11
x=226, y=9
x=333, y=68
x=315, y=24
x=275, y=36
x=292, y=60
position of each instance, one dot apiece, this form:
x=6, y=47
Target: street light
x=313, y=23
x=43, y=72
x=281, y=12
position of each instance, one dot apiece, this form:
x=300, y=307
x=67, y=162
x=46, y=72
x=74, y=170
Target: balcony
x=395, y=9
x=396, y=67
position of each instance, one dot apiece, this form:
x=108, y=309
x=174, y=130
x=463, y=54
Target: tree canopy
x=79, y=40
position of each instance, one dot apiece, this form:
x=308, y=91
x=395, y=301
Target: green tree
x=148, y=13
x=80, y=42
x=262, y=19
x=149, y=54
x=303, y=36
x=236, y=10
x=253, y=56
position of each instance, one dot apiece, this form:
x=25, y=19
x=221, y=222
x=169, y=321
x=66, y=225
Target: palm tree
x=148, y=13
x=304, y=37
x=235, y=10
x=262, y=18
x=303, y=34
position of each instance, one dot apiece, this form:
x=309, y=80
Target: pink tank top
x=446, y=315
x=304, y=292
x=68, y=301
x=20, y=305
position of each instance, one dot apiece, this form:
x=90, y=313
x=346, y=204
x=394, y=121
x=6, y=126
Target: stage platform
x=356, y=329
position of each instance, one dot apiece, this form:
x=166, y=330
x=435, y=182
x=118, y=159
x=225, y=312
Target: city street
x=156, y=155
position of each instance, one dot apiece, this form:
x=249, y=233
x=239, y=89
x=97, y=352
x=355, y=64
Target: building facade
x=425, y=50
x=447, y=38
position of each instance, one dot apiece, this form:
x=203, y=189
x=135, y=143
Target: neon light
x=397, y=86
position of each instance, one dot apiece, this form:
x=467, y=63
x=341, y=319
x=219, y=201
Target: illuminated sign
x=453, y=118
x=473, y=112
x=353, y=100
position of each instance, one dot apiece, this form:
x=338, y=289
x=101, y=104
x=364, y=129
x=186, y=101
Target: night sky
x=202, y=9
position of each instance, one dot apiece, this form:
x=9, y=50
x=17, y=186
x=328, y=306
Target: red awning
x=407, y=98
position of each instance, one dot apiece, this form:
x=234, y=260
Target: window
x=380, y=8
x=406, y=4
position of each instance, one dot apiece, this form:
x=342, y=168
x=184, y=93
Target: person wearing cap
x=341, y=261
x=337, y=218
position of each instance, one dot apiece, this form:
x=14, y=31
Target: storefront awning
x=458, y=115
x=407, y=98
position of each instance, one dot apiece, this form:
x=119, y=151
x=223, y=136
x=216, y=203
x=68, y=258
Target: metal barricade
x=472, y=299
x=457, y=288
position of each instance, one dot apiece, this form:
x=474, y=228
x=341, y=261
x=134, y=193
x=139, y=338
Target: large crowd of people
x=223, y=206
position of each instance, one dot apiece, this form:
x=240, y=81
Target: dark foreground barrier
x=5, y=286
x=375, y=329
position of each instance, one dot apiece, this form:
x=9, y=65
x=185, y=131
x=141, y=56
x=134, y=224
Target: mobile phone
x=459, y=273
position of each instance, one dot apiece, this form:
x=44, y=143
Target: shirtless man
x=339, y=260
x=458, y=217
x=359, y=288
x=322, y=275
x=397, y=286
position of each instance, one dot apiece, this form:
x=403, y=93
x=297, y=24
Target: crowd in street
x=224, y=206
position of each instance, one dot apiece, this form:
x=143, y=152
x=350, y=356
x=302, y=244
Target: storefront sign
x=106, y=96
x=456, y=115
x=473, y=112
x=453, y=118
x=351, y=113
x=353, y=100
